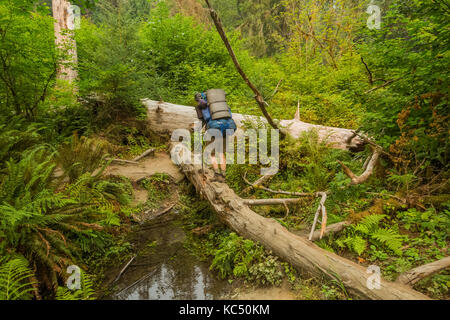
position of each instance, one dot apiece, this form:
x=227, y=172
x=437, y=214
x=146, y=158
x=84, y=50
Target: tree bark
x=414, y=275
x=301, y=253
x=166, y=117
x=65, y=41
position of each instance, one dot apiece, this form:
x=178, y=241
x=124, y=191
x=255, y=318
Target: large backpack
x=218, y=106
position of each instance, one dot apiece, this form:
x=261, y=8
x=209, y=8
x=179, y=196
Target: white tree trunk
x=166, y=117
x=65, y=41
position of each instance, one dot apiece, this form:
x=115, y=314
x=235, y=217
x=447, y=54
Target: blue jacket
x=203, y=105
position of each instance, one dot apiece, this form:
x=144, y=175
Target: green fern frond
x=359, y=245
x=373, y=219
x=389, y=238
x=15, y=283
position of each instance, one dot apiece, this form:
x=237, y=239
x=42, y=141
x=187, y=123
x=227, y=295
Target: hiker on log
x=214, y=112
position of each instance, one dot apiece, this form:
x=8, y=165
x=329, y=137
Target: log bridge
x=235, y=212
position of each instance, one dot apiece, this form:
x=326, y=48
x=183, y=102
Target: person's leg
x=214, y=162
x=223, y=159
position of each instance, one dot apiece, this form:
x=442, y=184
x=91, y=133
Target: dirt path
x=159, y=163
x=270, y=293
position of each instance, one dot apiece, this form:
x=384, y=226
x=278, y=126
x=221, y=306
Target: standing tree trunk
x=65, y=41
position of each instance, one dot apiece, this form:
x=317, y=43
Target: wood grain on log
x=298, y=251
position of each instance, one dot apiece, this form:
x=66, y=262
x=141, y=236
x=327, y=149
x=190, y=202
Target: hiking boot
x=219, y=176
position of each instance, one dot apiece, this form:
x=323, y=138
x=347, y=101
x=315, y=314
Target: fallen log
x=413, y=276
x=301, y=253
x=166, y=117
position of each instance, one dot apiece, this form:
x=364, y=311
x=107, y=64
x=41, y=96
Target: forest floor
x=163, y=268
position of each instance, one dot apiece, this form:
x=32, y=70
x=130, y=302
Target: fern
x=359, y=245
x=389, y=238
x=80, y=156
x=15, y=283
x=355, y=243
x=372, y=221
x=369, y=229
x=86, y=292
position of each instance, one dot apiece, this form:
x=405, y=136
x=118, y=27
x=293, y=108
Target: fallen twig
x=121, y=160
x=266, y=202
x=300, y=194
x=136, y=282
x=124, y=268
x=258, y=182
x=160, y=213
x=319, y=209
x=144, y=154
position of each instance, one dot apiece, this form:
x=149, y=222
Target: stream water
x=164, y=268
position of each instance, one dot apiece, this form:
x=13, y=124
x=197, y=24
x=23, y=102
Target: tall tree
x=65, y=40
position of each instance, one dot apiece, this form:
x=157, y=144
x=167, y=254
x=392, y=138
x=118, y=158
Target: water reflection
x=173, y=273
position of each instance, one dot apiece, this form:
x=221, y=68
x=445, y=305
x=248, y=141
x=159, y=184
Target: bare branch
x=276, y=89
x=368, y=71
x=300, y=194
x=332, y=228
x=297, y=113
x=266, y=202
x=122, y=161
x=144, y=154
x=367, y=172
x=258, y=97
x=258, y=182
x=382, y=85
x=316, y=216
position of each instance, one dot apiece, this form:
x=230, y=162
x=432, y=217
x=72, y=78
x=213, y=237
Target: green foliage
x=28, y=56
x=410, y=116
x=50, y=228
x=267, y=272
x=15, y=279
x=111, y=77
x=183, y=58
x=368, y=229
x=235, y=256
x=429, y=223
x=81, y=155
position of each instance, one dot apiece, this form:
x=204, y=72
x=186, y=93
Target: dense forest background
x=391, y=83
